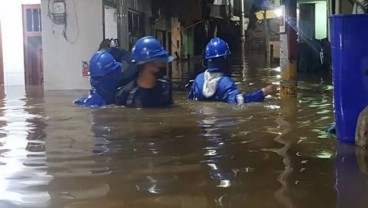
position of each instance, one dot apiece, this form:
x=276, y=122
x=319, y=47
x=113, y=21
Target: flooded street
x=193, y=155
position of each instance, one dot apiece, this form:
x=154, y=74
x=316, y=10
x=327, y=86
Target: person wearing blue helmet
x=147, y=90
x=215, y=84
x=122, y=56
x=106, y=78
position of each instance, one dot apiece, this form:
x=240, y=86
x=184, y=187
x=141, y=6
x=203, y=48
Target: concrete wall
x=12, y=40
x=62, y=58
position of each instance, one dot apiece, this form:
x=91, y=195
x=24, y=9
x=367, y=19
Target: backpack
x=124, y=95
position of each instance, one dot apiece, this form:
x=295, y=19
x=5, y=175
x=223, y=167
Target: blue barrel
x=349, y=38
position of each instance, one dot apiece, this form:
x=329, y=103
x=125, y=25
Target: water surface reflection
x=275, y=154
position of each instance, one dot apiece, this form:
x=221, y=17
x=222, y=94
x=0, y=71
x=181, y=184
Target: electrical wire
x=66, y=27
x=63, y=21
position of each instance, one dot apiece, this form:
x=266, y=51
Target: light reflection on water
x=276, y=154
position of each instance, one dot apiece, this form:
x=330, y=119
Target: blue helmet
x=217, y=48
x=102, y=63
x=149, y=49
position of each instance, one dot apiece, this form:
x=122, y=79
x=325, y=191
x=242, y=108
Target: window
x=136, y=26
x=33, y=20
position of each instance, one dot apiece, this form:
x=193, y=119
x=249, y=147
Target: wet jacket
x=132, y=95
x=215, y=86
x=93, y=100
x=104, y=89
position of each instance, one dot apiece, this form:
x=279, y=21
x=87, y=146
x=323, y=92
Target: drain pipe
x=242, y=35
x=267, y=39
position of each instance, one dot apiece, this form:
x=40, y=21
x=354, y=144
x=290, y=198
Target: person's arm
x=231, y=93
x=228, y=90
x=192, y=92
x=254, y=97
x=259, y=95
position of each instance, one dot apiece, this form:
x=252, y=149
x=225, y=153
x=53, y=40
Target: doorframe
x=25, y=38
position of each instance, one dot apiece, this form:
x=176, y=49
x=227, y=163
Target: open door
x=32, y=34
x=110, y=21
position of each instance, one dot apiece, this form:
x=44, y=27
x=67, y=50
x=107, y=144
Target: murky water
x=202, y=155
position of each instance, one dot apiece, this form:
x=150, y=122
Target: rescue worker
x=147, y=90
x=106, y=78
x=215, y=84
x=129, y=72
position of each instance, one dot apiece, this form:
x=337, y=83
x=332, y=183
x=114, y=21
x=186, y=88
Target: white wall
x=62, y=59
x=12, y=38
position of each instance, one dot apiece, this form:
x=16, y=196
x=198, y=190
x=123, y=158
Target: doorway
x=110, y=20
x=32, y=35
x=169, y=43
x=307, y=21
x=161, y=36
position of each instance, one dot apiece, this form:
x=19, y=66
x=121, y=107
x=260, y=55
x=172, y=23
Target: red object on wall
x=85, y=69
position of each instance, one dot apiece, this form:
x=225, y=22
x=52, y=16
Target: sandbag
x=361, y=134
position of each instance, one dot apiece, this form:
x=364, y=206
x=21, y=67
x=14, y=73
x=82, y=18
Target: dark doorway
x=307, y=21
x=161, y=36
x=169, y=47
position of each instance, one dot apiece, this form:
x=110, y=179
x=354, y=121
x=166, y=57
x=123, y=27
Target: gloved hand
x=270, y=90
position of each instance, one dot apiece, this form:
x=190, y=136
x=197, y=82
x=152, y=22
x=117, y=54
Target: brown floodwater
x=192, y=155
